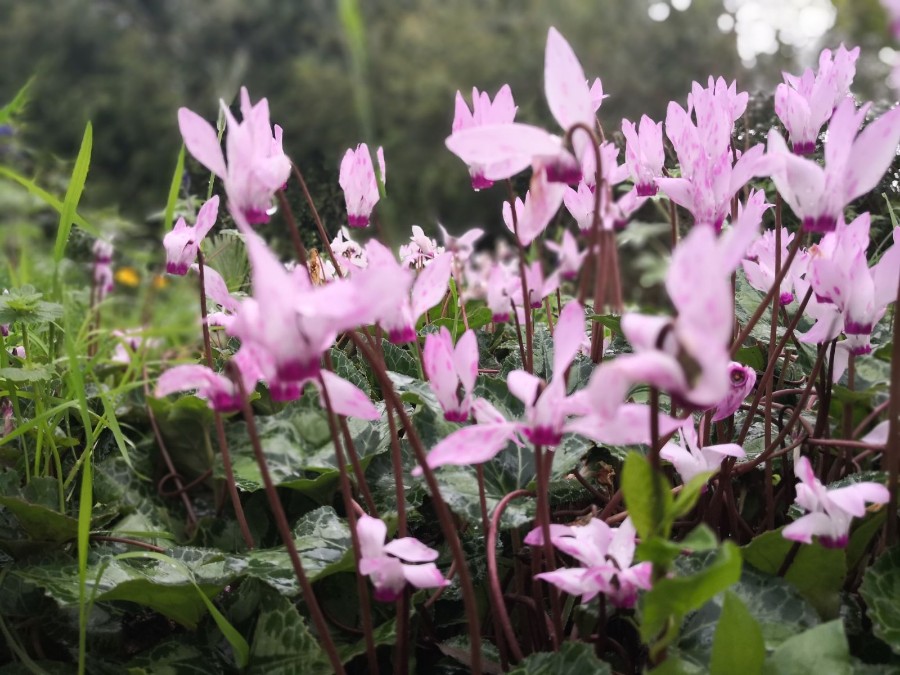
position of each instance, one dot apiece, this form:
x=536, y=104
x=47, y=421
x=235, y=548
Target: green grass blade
x=73, y=194
x=174, y=189
x=44, y=196
x=17, y=105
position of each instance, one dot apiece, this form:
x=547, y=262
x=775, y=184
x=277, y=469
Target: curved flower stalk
x=452, y=372
x=804, y=104
x=606, y=556
x=830, y=511
x=644, y=154
x=183, y=242
x=690, y=459
x=360, y=184
x=217, y=290
x=688, y=356
x=393, y=565
x=853, y=166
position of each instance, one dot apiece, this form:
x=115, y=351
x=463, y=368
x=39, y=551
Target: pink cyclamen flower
x=506, y=149
x=360, y=184
x=7, y=416
x=840, y=276
x=606, y=555
x=393, y=296
x=892, y=7
x=569, y=257
x=807, y=102
x=853, y=166
x=257, y=166
x=742, y=379
x=690, y=459
x=4, y=327
x=289, y=320
x=830, y=511
x=393, y=565
x=452, y=372
x=644, y=154
x=502, y=110
x=183, y=242
x=759, y=265
x=103, y=274
x=689, y=356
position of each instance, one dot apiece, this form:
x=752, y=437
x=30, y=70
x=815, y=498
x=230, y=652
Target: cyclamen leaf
x=573, y=658
x=738, y=646
x=677, y=596
x=638, y=480
x=880, y=589
x=822, y=649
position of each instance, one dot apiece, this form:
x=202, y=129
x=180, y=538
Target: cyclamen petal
x=470, y=445
x=346, y=398
x=359, y=183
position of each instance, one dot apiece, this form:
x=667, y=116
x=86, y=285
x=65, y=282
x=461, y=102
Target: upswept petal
x=424, y=576
x=567, y=337
x=411, y=550
x=346, y=398
x=871, y=155
x=431, y=284
x=565, y=85
x=475, y=444
x=201, y=140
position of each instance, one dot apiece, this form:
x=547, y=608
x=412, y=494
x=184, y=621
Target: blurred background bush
x=337, y=72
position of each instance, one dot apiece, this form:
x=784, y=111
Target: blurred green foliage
x=127, y=65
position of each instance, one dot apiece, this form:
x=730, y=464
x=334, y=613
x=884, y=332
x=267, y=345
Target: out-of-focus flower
x=102, y=269
x=257, y=166
x=391, y=566
x=568, y=255
x=830, y=511
x=807, y=102
x=606, y=556
x=688, y=357
x=742, y=379
x=183, y=242
x=452, y=372
x=502, y=110
x=360, y=184
x=690, y=459
x=759, y=265
x=853, y=166
x=644, y=154
x=129, y=342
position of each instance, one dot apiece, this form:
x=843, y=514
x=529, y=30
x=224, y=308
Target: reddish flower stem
x=892, y=453
x=281, y=523
x=440, y=506
x=361, y=584
x=230, y=483
x=776, y=285
x=499, y=605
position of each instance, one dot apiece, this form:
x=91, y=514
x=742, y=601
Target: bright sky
x=761, y=25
